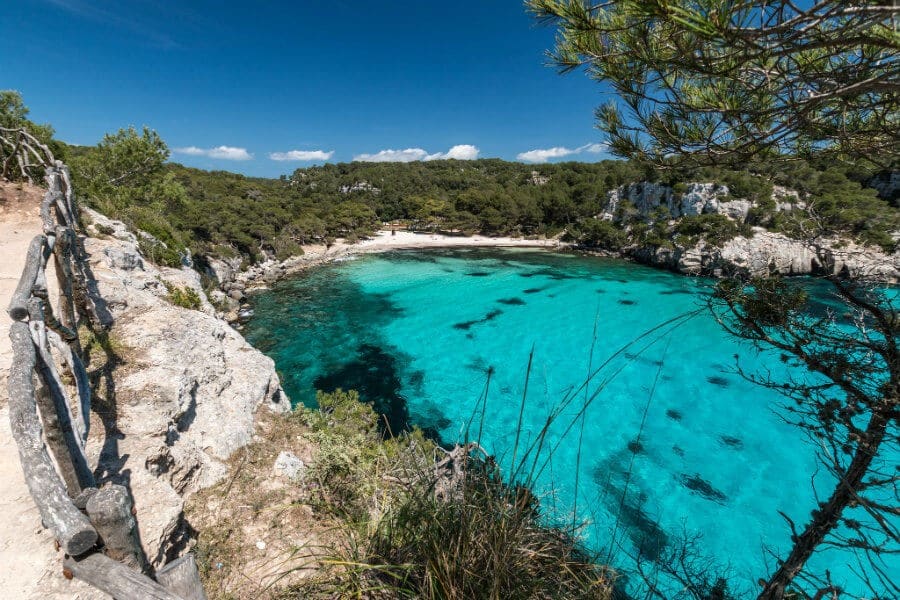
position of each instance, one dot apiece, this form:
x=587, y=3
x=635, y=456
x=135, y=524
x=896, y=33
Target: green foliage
x=486, y=543
x=352, y=457
x=123, y=169
x=765, y=302
x=262, y=218
x=14, y=115
x=13, y=111
x=124, y=177
x=185, y=297
x=716, y=229
x=601, y=234
x=713, y=82
x=482, y=540
x=837, y=205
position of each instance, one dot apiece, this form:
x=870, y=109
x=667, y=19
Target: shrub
x=602, y=234
x=714, y=228
x=488, y=542
x=185, y=297
x=417, y=528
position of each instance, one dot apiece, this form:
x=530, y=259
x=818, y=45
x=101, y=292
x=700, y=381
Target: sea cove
x=673, y=441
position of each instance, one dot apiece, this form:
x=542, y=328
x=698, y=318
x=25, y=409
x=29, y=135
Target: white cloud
x=302, y=155
x=192, y=150
x=221, y=152
x=460, y=152
x=543, y=155
x=546, y=154
x=408, y=155
x=596, y=148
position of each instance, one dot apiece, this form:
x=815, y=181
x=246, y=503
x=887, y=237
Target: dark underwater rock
x=375, y=375
x=734, y=442
x=719, y=381
x=511, y=301
x=703, y=488
x=674, y=414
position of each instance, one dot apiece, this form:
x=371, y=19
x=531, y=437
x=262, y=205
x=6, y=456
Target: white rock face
x=288, y=465
x=769, y=253
x=224, y=270
x=185, y=394
x=762, y=253
x=773, y=252
x=699, y=199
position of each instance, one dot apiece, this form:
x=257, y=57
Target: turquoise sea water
x=673, y=441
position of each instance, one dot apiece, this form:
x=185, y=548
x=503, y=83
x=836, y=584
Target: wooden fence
x=50, y=420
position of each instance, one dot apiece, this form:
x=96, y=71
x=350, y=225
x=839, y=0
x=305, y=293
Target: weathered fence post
x=70, y=425
x=182, y=577
x=56, y=441
x=117, y=580
x=18, y=304
x=72, y=529
x=82, y=384
x=110, y=511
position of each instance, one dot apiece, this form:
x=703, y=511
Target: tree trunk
x=827, y=515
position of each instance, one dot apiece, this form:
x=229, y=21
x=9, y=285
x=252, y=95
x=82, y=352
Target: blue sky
x=235, y=85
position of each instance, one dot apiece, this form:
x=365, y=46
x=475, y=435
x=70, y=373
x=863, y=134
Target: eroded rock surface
x=758, y=254
x=184, y=392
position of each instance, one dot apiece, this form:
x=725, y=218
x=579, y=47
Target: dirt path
x=31, y=566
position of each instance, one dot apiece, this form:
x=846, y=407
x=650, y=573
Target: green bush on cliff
x=185, y=297
x=599, y=233
x=352, y=457
x=716, y=229
x=415, y=527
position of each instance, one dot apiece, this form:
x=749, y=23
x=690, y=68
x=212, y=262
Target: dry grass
x=253, y=505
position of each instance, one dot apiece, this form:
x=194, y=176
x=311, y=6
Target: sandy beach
x=385, y=241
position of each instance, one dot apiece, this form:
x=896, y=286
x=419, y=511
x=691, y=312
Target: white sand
x=385, y=241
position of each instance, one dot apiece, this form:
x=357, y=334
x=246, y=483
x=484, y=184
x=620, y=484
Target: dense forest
x=217, y=213
x=225, y=214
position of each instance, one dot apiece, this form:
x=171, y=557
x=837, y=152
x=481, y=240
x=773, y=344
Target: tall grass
x=450, y=525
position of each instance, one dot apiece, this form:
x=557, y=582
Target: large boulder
x=184, y=393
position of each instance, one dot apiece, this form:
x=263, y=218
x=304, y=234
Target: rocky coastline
x=179, y=390
x=182, y=388
x=761, y=253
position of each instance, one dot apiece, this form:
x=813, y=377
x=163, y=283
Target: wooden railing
x=50, y=420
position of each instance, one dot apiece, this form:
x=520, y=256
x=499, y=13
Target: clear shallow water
x=419, y=333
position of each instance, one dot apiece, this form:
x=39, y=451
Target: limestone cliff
x=184, y=391
x=698, y=199
x=759, y=253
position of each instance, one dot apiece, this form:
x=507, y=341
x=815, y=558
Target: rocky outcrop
x=697, y=199
x=760, y=253
x=184, y=394
x=767, y=253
